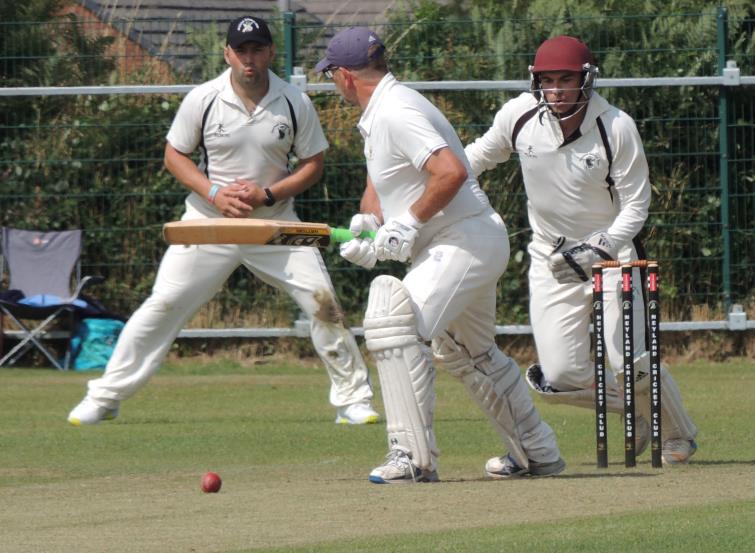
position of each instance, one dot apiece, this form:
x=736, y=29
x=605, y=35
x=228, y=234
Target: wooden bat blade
x=247, y=231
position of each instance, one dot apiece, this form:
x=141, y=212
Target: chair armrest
x=86, y=281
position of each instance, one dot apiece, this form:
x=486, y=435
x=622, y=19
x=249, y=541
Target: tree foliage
x=485, y=39
x=95, y=162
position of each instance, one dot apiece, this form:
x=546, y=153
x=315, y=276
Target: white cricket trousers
x=189, y=276
x=452, y=283
x=561, y=313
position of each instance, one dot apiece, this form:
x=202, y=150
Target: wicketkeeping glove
x=570, y=263
x=361, y=251
x=394, y=240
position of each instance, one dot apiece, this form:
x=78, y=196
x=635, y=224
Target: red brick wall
x=130, y=57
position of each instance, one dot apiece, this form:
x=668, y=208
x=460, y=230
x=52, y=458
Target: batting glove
x=363, y=222
x=359, y=252
x=394, y=240
x=574, y=263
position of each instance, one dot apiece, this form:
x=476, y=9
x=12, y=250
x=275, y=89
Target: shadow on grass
x=526, y=478
x=712, y=462
x=717, y=462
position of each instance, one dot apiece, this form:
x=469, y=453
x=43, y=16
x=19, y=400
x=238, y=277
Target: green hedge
x=95, y=162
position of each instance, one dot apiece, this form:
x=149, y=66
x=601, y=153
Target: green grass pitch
x=295, y=481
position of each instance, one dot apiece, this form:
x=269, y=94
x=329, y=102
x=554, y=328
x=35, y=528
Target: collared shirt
x=243, y=145
x=567, y=191
x=401, y=129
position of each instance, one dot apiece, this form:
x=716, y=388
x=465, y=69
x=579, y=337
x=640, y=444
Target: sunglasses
x=330, y=70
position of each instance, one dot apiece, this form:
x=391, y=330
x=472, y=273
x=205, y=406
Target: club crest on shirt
x=590, y=161
x=281, y=130
x=529, y=152
x=220, y=131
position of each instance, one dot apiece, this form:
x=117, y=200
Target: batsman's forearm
x=370, y=203
x=437, y=196
x=447, y=176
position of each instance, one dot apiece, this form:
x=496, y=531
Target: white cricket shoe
x=678, y=451
x=89, y=412
x=499, y=468
x=398, y=469
x=357, y=413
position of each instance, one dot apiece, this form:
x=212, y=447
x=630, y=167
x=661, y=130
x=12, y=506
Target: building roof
x=348, y=12
x=162, y=27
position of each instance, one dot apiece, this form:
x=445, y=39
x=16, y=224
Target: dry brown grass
x=676, y=348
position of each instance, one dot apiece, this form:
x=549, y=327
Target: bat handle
x=344, y=234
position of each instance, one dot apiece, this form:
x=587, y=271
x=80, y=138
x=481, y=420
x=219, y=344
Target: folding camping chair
x=40, y=266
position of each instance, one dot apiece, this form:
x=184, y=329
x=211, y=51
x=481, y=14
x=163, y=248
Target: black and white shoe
x=499, y=468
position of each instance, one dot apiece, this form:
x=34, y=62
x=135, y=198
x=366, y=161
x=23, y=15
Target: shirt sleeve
x=630, y=173
x=184, y=133
x=310, y=139
x=419, y=138
x=494, y=146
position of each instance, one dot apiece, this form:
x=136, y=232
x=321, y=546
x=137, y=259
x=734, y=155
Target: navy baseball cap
x=350, y=48
x=248, y=29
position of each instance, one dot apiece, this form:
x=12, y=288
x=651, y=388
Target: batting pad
x=407, y=377
x=494, y=382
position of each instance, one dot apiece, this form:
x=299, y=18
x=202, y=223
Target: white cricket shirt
x=401, y=129
x=243, y=145
x=567, y=191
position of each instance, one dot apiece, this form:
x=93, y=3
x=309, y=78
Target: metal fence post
x=289, y=43
x=724, y=156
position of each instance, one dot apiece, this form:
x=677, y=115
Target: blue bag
x=92, y=343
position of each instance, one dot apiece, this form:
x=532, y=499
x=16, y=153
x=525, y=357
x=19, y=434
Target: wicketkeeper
x=588, y=193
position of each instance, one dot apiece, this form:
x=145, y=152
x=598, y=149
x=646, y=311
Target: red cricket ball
x=211, y=482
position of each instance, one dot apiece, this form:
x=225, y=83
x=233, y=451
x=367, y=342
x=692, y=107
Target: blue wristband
x=213, y=192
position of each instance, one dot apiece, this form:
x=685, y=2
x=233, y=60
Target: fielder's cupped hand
x=394, y=240
x=361, y=251
x=572, y=262
x=250, y=192
x=234, y=200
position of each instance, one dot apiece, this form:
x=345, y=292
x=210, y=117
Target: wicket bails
x=653, y=339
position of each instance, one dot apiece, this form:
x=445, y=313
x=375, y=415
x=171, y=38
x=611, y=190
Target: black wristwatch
x=270, y=200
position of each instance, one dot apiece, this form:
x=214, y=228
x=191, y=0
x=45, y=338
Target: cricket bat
x=255, y=232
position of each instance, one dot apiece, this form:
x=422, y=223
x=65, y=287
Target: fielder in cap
x=588, y=193
x=429, y=211
x=244, y=124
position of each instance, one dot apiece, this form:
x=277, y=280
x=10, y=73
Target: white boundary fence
x=731, y=77
x=736, y=318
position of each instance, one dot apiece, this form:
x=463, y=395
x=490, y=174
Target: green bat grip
x=344, y=234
